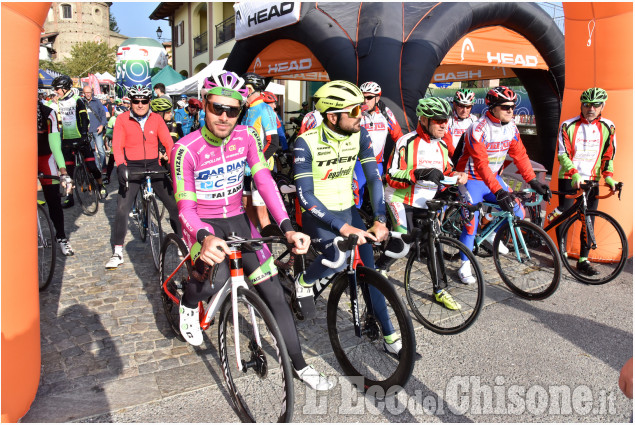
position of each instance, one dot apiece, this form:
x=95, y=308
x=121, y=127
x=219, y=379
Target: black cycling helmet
x=254, y=80
x=62, y=82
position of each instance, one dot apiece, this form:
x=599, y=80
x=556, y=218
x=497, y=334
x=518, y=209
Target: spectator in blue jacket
x=98, y=121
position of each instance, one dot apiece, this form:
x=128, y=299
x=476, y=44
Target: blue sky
x=133, y=19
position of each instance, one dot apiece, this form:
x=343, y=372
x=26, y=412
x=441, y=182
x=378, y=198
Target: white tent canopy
x=193, y=84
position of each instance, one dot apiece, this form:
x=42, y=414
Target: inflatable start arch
x=21, y=28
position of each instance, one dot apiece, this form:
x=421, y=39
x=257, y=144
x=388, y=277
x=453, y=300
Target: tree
x=90, y=57
x=113, y=22
x=54, y=66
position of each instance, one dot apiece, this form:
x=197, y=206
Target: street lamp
x=159, y=33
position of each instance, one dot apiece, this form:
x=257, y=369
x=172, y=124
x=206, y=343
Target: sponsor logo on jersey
x=333, y=161
x=330, y=175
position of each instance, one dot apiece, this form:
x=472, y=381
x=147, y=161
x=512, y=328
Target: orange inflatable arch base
x=603, y=59
x=21, y=28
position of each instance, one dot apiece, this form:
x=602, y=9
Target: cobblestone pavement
x=108, y=353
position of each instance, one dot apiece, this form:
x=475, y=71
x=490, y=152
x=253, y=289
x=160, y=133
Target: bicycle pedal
x=307, y=307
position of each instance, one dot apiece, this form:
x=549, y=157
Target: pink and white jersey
x=208, y=178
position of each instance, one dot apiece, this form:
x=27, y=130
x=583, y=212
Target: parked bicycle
x=146, y=214
x=46, y=247
x=525, y=257
x=254, y=358
x=433, y=264
x=352, y=324
x=596, y=232
x=85, y=186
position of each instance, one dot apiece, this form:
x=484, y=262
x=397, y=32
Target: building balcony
x=225, y=31
x=200, y=44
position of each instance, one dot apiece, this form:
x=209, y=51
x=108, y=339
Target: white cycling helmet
x=370, y=87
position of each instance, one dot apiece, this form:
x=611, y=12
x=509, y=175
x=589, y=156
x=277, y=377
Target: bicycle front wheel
x=609, y=256
x=261, y=386
x=46, y=250
x=366, y=356
x=139, y=214
x=173, y=251
x=420, y=290
x=155, y=231
x=86, y=190
x=533, y=270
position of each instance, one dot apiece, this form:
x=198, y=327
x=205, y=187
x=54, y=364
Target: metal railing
x=225, y=31
x=200, y=44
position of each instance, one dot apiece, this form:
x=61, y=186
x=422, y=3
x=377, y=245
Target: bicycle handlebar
x=343, y=245
x=586, y=187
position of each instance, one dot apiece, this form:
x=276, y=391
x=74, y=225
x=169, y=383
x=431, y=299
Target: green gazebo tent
x=167, y=76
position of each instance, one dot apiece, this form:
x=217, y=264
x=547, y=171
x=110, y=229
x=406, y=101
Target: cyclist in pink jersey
x=208, y=167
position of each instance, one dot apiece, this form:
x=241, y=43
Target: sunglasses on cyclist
x=354, y=112
x=369, y=97
x=439, y=121
x=218, y=109
x=595, y=105
x=507, y=107
x=460, y=105
x=140, y=101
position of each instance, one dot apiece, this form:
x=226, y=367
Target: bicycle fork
x=237, y=280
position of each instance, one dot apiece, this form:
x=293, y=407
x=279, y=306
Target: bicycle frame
x=236, y=280
x=352, y=261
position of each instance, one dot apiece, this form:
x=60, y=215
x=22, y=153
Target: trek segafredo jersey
x=587, y=148
x=323, y=166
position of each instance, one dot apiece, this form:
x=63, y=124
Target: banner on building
x=258, y=17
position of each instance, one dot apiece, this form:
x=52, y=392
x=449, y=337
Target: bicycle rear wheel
x=365, y=356
x=139, y=215
x=173, y=251
x=155, y=230
x=262, y=385
x=46, y=249
x=86, y=190
x=609, y=257
x=420, y=289
x=533, y=277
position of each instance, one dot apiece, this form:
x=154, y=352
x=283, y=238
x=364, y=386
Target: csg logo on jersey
x=219, y=182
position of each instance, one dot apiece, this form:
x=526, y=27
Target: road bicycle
x=433, y=265
x=353, y=328
x=597, y=231
x=254, y=358
x=530, y=264
x=146, y=214
x=86, y=188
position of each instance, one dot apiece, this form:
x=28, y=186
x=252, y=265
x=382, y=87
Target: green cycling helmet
x=160, y=104
x=434, y=107
x=594, y=95
x=338, y=94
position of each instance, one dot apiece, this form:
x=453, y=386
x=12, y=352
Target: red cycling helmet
x=194, y=102
x=499, y=95
x=269, y=97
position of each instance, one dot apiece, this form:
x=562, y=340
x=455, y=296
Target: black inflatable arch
x=400, y=45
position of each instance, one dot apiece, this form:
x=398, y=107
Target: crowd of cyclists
x=220, y=153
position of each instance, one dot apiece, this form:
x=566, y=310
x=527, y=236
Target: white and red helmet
x=370, y=87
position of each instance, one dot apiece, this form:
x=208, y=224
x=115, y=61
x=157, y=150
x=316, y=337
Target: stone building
x=69, y=23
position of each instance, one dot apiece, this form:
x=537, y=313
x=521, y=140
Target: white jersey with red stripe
x=457, y=126
x=379, y=127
